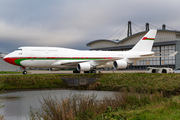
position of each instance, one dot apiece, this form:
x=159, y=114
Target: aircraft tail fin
x=146, y=43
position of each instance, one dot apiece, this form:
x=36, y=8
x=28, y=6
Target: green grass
x=9, y=72
x=166, y=109
x=9, y=82
x=38, y=81
x=166, y=83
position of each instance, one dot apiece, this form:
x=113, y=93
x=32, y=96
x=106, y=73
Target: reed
x=2, y=117
x=83, y=107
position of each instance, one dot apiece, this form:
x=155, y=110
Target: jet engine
x=120, y=64
x=84, y=67
x=54, y=69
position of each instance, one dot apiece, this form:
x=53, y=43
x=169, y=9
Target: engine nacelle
x=84, y=67
x=120, y=64
x=54, y=69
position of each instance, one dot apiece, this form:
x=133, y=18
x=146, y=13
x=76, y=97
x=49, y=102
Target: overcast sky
x=74, y=23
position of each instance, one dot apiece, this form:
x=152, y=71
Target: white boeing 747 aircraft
x=58, y=58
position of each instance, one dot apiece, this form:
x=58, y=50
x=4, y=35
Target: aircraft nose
x=6, y=58
x=10, y=60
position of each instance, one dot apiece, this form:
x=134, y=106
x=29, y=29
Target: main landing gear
x=91, y=71
x=76, y=71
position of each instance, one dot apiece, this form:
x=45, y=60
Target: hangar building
x=166, y=40
x=4, y=66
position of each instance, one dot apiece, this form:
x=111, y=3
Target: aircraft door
x=32, y=57
x=56, y=57
x=46, y=50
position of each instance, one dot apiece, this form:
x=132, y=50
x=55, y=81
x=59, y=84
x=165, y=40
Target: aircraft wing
x=92, y=62
x=69, y=62
x=104, y=61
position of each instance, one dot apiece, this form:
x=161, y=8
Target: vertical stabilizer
x=146, y=42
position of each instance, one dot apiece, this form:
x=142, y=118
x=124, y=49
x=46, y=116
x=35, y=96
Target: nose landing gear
x=24, y=72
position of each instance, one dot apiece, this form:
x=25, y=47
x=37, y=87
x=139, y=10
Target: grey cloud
x=74, y=23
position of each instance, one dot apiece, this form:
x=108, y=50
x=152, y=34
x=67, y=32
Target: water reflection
x=17, y=104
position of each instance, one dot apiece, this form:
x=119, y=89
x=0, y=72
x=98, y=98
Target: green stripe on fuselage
x=22, y=59
x=19, y=60
x=149, y=39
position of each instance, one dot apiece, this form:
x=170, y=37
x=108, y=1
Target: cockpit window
x=19, y=49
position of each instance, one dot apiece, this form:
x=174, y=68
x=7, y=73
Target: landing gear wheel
x=76, y=71
x=24, y=72
x=91, y=71
x=86, y=71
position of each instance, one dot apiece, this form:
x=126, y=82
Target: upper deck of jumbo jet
x=34, y=48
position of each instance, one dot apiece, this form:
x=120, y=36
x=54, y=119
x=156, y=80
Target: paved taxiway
x=71, y=72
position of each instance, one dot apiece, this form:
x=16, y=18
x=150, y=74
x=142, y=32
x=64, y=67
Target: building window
x=159, y=62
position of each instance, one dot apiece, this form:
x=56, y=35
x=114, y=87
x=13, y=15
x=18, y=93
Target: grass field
x=169, y=84
x=13, y=82
x=166, y=83
x=9, y=72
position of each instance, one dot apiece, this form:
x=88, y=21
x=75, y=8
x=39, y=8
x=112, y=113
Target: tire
x=24, y=72
x=86, y=71
x=76, y=71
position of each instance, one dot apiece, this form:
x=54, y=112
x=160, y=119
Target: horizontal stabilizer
x=146, y=57
x=173, y=54
x=155, y=53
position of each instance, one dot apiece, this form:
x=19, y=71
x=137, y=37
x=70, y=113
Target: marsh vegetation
x=83, y=107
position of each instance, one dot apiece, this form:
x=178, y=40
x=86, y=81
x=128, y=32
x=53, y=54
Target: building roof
x=100, y=40
x=2, y=54
x=119, y=41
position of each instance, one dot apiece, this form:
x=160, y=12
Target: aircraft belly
x=37, y=63
x=108, y=64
